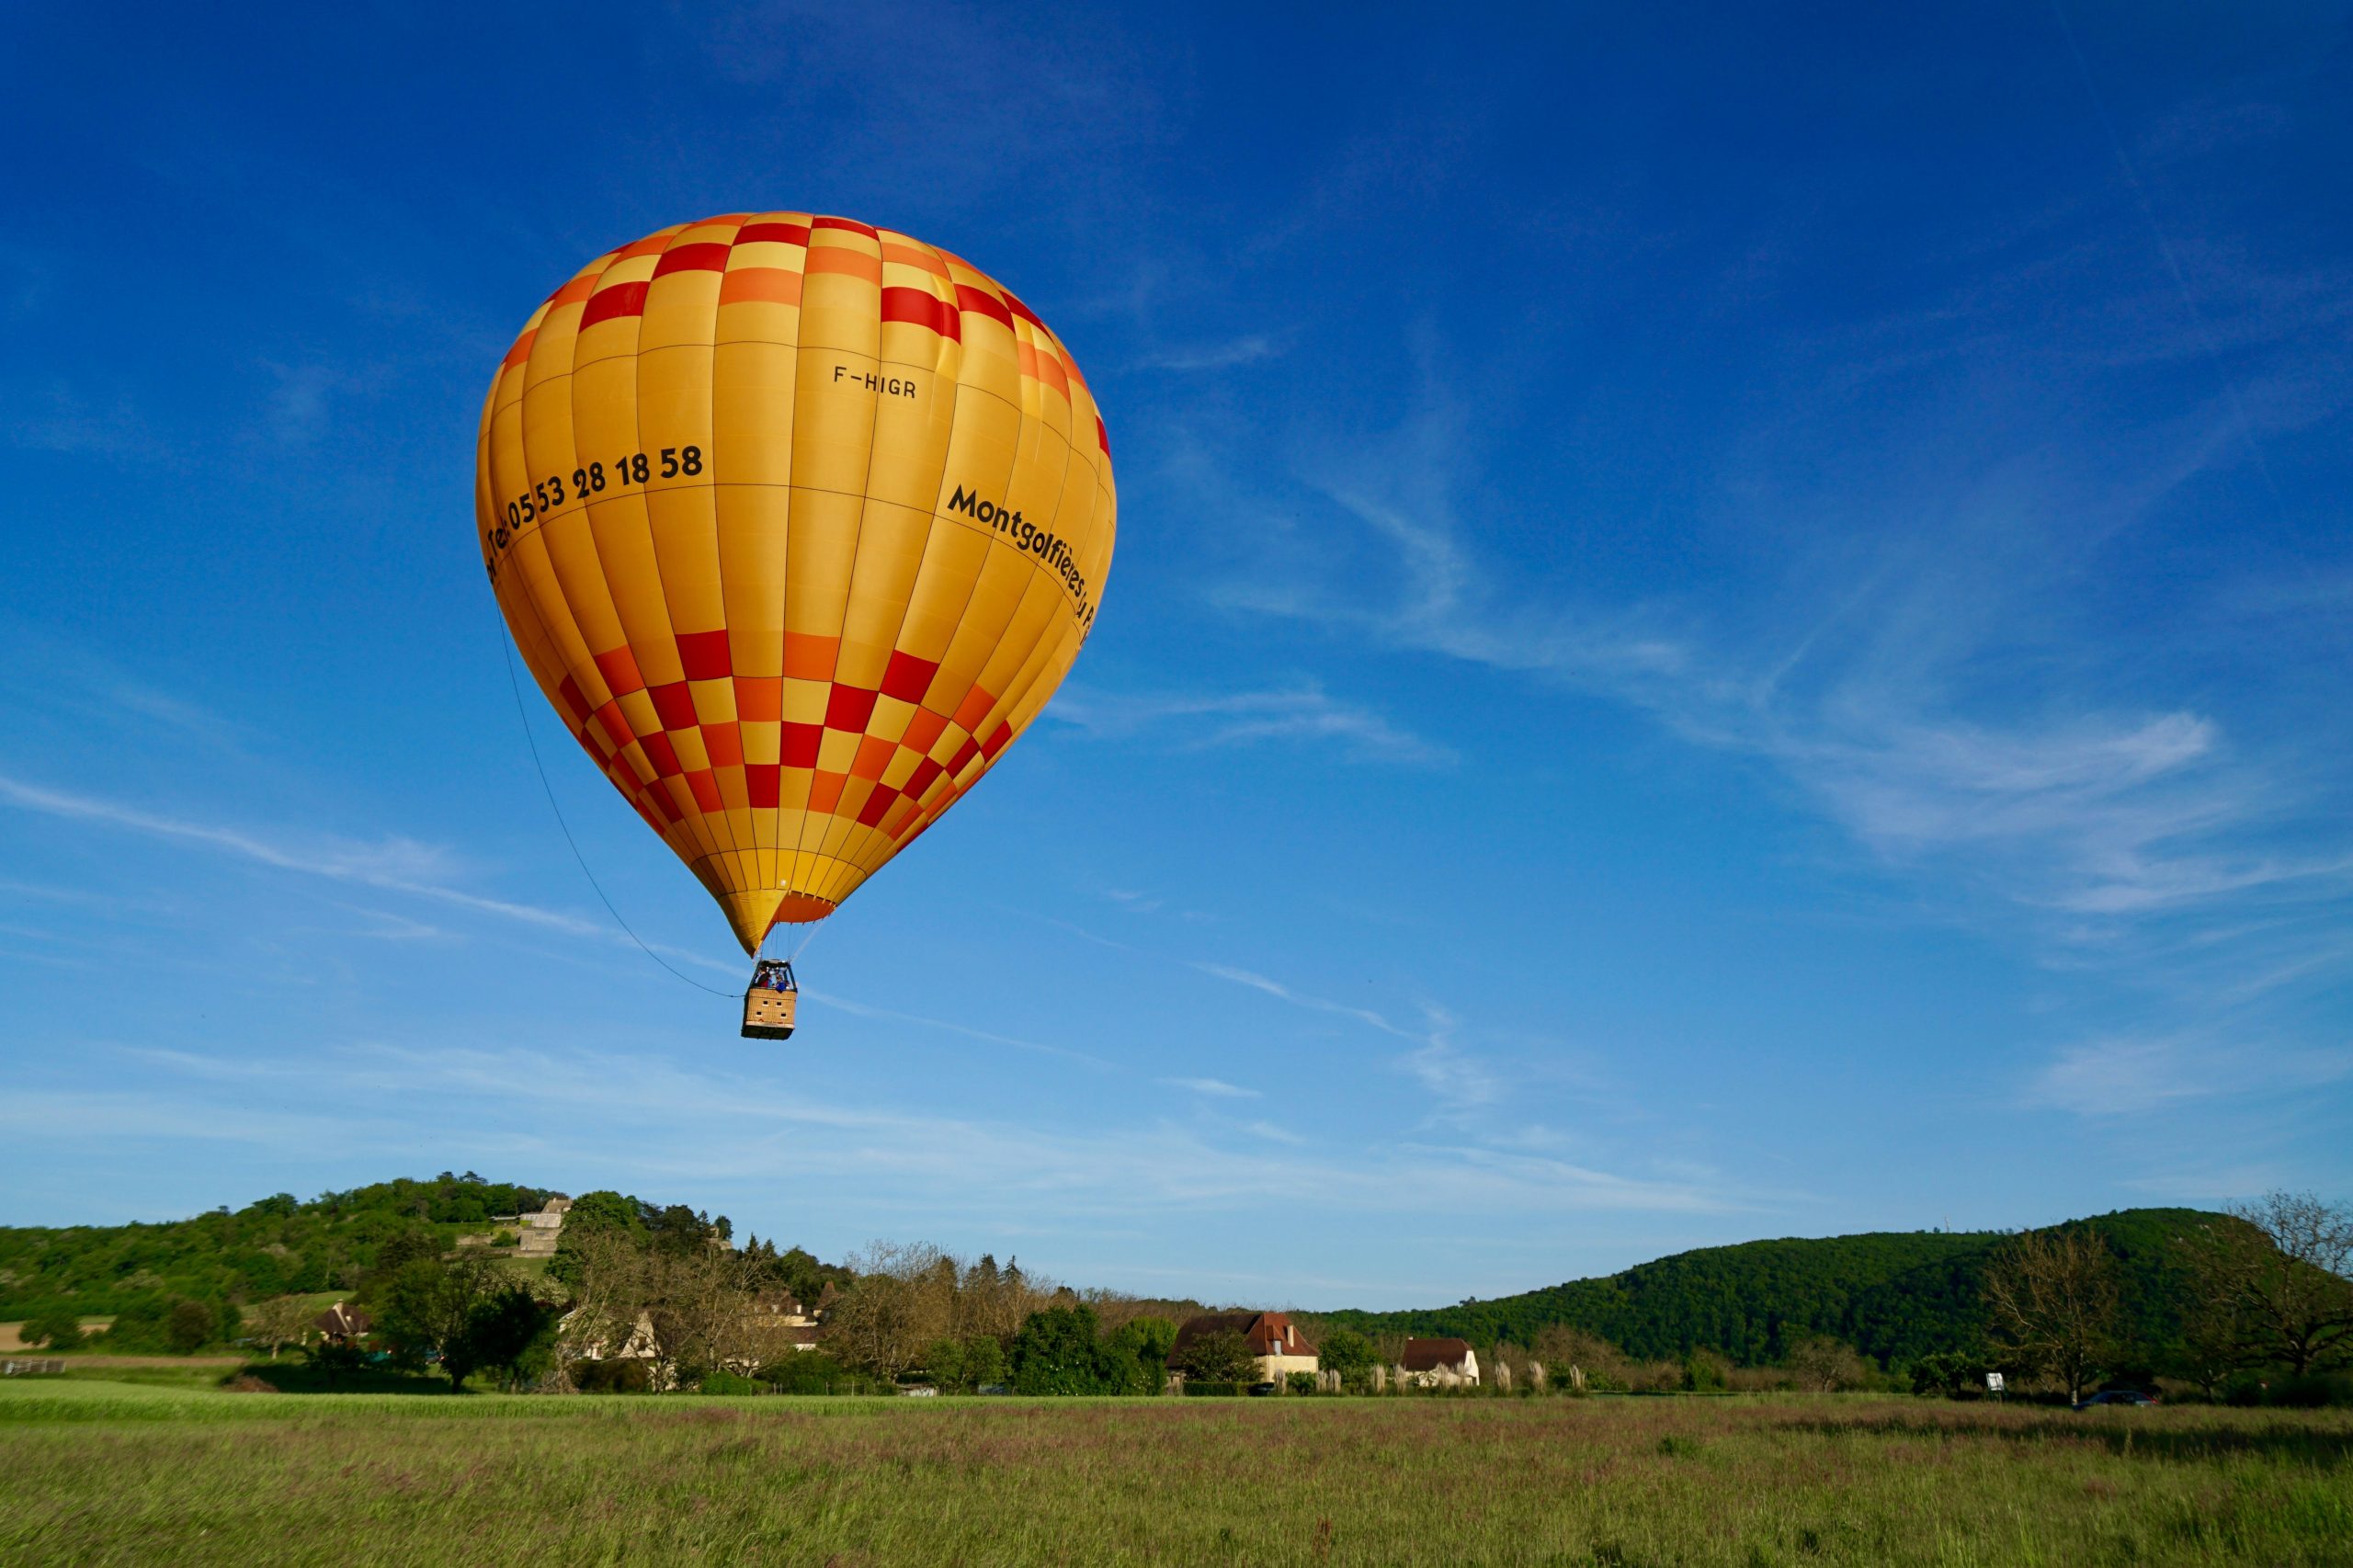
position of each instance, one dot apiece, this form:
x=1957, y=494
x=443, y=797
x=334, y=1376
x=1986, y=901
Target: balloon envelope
x=798, y=523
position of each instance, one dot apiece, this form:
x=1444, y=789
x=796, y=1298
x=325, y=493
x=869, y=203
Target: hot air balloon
x=798, y=523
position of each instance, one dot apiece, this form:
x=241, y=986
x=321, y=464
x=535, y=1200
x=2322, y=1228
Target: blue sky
x=1722, y=627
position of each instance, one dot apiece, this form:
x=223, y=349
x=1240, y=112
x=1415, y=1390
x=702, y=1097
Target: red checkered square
x=703, y=656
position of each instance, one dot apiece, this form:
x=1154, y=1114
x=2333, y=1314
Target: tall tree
x=2284, y=1269
x=279, y=1322
x=895, y=1312
x=2051, y=1299
x=427, y=1309
x=1222, y=1356
x=1824, y=1365
x=1347, y=1352
x=1059, y=1351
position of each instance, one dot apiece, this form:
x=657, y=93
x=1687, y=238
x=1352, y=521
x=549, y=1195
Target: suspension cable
x=515, y=682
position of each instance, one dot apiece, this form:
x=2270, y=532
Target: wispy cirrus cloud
x=1282, y=993
x=1304, y=714
x=1883, y=685
x=1221, y=355
x=392, y=864
x=659, y=1121
x=2131, y=1076
x=1216, y=1087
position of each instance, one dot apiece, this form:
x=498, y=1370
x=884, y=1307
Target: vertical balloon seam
x=788, y=855
x=745, y=862
x=520, y=580
x=817, y=875
x=1037, y=576
x=565, y=591
x=738, y=858
x=705, y=865
x=778, y=869
x=857, y=845
x=529, y=587
x=838, y=834
x=979, y=571
x=679, y=833
x=1026, y=669
x=1012, y=462
x=841, y=834
x=956, y=404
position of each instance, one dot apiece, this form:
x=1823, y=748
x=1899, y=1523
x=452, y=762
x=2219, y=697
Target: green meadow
x=95, y=1470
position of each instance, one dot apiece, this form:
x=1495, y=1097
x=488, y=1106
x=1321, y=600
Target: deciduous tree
x=2052, y=1300
x=2289, y=1280
x=1825, y=1365
x=1222, y=1357
x=60, y=1328
x=279, y=1322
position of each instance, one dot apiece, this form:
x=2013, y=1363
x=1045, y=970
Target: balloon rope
x=522, y=714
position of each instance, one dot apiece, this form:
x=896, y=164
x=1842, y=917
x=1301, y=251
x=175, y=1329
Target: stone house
x=1439, y=1363
x=1275, y=1341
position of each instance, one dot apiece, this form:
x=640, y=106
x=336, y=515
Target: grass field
x=100, y=1471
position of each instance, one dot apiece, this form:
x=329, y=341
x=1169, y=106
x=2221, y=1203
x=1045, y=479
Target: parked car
x=1260, y=1391
x=2117, y=1396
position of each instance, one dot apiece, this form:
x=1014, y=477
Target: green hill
x=1894, y=1295
x=276, y=1246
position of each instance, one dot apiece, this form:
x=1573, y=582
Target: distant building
x=779, y=1322
x=1275, y=1341
x=340, y=1324
x=1439, y=1363
x=543, y=1230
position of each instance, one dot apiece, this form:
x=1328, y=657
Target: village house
x=1439, y=1363
x=1275, y=1341
x=781, y=1323
x=340, y=1324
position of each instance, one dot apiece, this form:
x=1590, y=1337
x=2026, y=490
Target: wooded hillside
x=1894, y=1295
x=278, y=1245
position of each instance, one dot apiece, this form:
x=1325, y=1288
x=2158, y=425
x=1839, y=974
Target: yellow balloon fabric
x=798, y=523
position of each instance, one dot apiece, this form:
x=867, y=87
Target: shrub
x=2311, y=1392
x=337, y=1360
x=1299, y=1382
x=1704, y=1371
x=612, y=1377
x=728, y=1383
x=505, y=1239
x=1214, y=1389
x=59, y=1328
x=807, y=1371
x=189, y=1326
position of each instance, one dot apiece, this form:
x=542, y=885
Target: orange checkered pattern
x=798, y=523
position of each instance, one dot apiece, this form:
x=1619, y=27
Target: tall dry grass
x=97, y=1473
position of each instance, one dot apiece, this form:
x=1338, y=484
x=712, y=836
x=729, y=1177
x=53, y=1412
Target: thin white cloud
x=394, y=865
x=1282, y=992
x=1225, y=356
x=2092, y=814
x=861, y=1010
x=2136, y=1076
x=641, y=1116
x=1304, y=713
x=1460, y=1085
x=1273, y=1133
x=1215, y=1086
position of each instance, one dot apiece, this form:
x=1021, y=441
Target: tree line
x=640, y=1295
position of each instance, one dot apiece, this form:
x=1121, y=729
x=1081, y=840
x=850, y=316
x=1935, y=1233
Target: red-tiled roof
x=1427, y=1355
x=1269, y=1334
